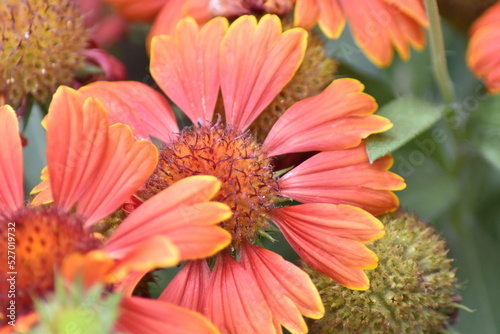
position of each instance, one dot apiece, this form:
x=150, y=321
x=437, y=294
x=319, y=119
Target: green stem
x=437, y=53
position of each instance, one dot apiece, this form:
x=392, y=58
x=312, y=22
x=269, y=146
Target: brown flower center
x=245, y=171
x=34, y=242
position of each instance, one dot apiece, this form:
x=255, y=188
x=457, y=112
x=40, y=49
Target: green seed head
x=412, y=289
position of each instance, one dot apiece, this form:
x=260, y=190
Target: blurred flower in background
x=483, y=54
x=46, y=44
x=377, y=26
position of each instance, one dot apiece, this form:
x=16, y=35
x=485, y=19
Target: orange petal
x=186, y=66
x=126, y=165
x=11, y=161
x=76, y=143
x=289, y=292
x=42, y=189
x=342, y=118
x=257, y=61
x=138, y=10
x=93, y=267
x=181, y=213
x=133, y=103
x=328, y=237
x=368, y=29
x=306, y=13
x=344, y=177
x=233, y=300
x=413, y=8
x=188, y=286
x=152, y=253
x=126, y=285
x=140, y=315
x=22, y=324
x=331, y=18
x=174, y=11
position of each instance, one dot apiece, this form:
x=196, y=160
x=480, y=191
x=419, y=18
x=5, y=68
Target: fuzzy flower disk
x=42, y=44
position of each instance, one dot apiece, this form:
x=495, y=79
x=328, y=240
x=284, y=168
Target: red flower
x=340, y=190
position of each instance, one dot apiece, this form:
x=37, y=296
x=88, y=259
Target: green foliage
x=410, y=116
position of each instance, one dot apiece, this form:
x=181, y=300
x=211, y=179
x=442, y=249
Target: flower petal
x=186, y=66
x=329, y=238
x=339, y=117
x=140, y=315
x=306, y=13
x=188, y=286
x=152, y=253
x=44, y=194
x=257, y=61
x=413, y=8
x=344, y=177
x=289, y=292
x=181, y=213
x=174, y=11
x=126, y=165
x=137, y=105
x=233, y=300
x=94, y=267
x=11, y=161
x=331, y=18
x=76, y=144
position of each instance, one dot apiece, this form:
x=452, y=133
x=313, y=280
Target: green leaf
x=411, y=116
x=484, y=129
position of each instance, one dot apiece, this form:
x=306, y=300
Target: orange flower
x=483, y=53
x=377, y=25
x=340, y=190
x=92, y=169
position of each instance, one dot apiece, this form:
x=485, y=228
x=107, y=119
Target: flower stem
x=437, y=53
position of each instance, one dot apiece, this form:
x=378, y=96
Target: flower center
x=34, y=242
x=245, y=171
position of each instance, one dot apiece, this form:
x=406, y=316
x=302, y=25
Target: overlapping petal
x=377, y=25
x=11, y=161
x=140, y=315
x=484, y=49
x=339, y=117
x=344, y=177
x=188, y=286
x=289, y=292
x=233, y=301
x=100, y=166
x=181, y=213
x=257, y=61
x=329, y=238
x=133, y=103
x=185, y=66
x=73, y=166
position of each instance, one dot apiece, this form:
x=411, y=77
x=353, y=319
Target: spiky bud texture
x=41, y=47
x=412, y=289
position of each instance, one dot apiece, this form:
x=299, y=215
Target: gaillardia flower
x=377, y=25
x=92, y=169
x=412, y=291
x=483, y=55
x=251, y=289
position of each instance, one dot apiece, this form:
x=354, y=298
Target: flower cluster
x=250, y=188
